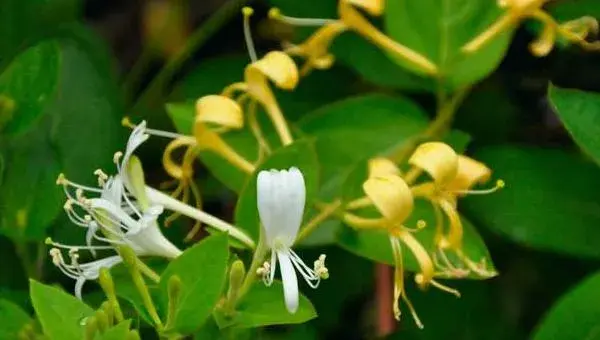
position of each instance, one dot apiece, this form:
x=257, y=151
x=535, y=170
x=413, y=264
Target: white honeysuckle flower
x=281, y=196
x=113, y=216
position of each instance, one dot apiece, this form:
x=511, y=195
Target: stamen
x=499, y=185
x=102, y=177
x=126, y=122
x=247, y=12
x=61, y=179
x=320, y=269
x=419, y=279
x=71, y=249
x=166, y=134
x=275, y=14
x=117, y=157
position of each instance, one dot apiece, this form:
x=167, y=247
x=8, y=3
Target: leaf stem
x=325, y=212
x=257, y=260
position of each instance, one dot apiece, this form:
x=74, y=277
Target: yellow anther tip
x=126, y=122
x=61, y=179
x=500, y=184
x=274, y=13
x=247, y=11
x=48, y=240
x=421, y=224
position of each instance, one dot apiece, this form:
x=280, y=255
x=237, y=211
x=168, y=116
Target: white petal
x=280, y=199
x=79, y=286
x=113, y=190
x=150, y=241
x=89, y=235
x=290, y=282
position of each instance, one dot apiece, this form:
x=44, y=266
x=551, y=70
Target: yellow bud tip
x=60, y=180
x=274, y=13
x=126, y=122
x=421, y=224
x=247, y=11
x=48, y=241
x=500, y=184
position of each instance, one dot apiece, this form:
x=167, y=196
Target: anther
x=247, y=12
x=61, y=179
x=126, y=122
x=102, y=177
x=117, y=156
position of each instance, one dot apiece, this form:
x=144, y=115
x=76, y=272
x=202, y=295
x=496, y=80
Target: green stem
x=257, y=261
x=197, y=39
x=326, y=212
x=438, y=127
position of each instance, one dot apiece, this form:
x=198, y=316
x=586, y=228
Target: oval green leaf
x=438, y=29
x=62, y=315
x=575, y=315
x=580, y=112
x=202, y=270
x=265, y=306
x=550, y=202
x=13, y=319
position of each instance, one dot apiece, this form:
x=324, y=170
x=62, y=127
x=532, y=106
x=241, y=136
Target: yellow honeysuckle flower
x=275, y=66
x=574, y=31
x=315, y=48
x=214, y=115
x=453, y=175
x=392, y=197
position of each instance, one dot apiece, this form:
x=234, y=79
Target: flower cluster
x=393, y=193
x=116, y=213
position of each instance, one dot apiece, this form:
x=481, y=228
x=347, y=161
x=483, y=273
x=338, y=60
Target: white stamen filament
x=247, y=12
x=275, y=14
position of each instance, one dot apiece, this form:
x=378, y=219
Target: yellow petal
x=373, y=7
x=173, y=168
x=281, y=69
x=276, y=66
x=437, y=159
x=316, y=47
x=219, y=110
x=420, y=254
x=391, y=196
x=454, y=237
x=470, y=172
x=354, y=20
x=381, y=166
x=544, y=43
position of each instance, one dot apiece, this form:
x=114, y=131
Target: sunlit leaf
x=202, y=269
x=62, y=315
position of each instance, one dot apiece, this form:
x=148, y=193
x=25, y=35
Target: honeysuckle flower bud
x=391, y=196
x=118, y=213
x=281, y=197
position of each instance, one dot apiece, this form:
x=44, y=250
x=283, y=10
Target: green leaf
x=438, y=29
x=580, y=112
x=374, y=65
x=13, y=319
x=24, y=21
x=550, y=201
x=62, y=315
x=202, y=270
x=375, y=244
x=357, y=128
x=574, y=9
x=264, y=306
x=300, y=154
x=575, y=315
x=118, y=332
x=65, y=118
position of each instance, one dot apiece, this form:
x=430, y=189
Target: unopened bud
x=91, y=327
x=102, y=319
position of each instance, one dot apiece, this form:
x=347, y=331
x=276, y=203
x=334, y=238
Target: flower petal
x=290, y=282
x=437, y=159
x=280, y=197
